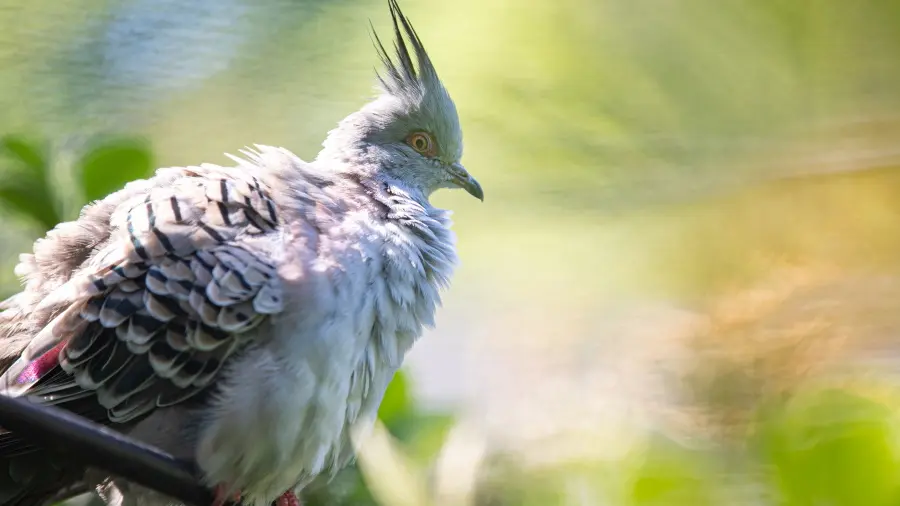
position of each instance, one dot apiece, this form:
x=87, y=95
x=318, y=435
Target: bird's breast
x=353, y=310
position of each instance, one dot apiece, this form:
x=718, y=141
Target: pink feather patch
x=41, y=365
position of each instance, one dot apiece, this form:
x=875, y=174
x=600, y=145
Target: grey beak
x=464, y=180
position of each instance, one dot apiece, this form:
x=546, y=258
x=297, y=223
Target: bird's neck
x=363, y=166
x=344, y=149
x=425, y=227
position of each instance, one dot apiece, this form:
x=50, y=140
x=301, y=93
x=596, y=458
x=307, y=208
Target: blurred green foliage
x=24, y=186
x=827, y=446
x=834, y=447
x=109, y=165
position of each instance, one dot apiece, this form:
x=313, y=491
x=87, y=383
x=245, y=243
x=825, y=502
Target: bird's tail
x=32, y=476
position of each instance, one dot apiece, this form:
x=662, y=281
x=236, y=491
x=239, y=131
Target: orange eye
x=421, y=142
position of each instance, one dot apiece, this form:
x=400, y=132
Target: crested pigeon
x=247, y=317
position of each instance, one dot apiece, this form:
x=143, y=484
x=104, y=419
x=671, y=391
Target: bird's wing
x=151, y=291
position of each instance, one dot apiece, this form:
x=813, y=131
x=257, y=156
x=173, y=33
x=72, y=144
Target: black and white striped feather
x=159, y=305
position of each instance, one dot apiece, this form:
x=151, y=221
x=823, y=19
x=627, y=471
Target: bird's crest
x=405, y=76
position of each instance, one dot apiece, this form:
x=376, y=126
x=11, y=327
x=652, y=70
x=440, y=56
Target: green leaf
x=31, y=202
x=397, y=401
x=426, y=435
x=670, y=475
x=24, y=187
x=31, y=155
x=107, y=167
x=833, y=447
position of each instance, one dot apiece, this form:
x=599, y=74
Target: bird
x=245, y=317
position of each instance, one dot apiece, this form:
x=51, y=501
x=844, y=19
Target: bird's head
x=410, y=133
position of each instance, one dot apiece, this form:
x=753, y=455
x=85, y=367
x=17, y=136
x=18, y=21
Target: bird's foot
x=220, y=495
x=288, y=498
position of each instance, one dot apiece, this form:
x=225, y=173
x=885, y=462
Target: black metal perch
x=100, y=447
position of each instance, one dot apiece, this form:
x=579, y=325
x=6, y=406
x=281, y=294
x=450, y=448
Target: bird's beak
x=464, y=180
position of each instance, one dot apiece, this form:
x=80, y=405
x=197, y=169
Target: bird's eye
x=421, y=142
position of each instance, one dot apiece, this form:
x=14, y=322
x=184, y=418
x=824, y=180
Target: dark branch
x=100, y=447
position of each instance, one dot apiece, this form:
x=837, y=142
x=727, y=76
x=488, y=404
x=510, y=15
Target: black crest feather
x=405, y=75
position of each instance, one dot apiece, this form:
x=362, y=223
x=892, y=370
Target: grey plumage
x=247, y=317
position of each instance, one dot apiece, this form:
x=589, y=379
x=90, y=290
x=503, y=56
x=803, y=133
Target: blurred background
x=682, y=287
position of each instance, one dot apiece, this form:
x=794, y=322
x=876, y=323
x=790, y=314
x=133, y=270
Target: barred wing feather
x=153, y=313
